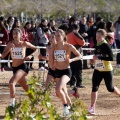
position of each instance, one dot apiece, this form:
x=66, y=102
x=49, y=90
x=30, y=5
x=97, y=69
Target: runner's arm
x=76, y=52
x=6, y=50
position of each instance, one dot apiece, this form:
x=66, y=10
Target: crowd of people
x=61, y=47
x=39, y=35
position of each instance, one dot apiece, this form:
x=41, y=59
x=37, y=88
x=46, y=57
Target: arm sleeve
x=108, y=56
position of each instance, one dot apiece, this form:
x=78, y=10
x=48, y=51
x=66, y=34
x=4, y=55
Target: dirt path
x=107, y=107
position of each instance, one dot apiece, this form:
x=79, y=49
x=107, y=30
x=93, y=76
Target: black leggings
x=76, y=68
x=97, y=78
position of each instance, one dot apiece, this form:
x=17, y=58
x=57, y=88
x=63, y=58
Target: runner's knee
x=110, y=89
x=11, y=84
x=58, y=90
x=95, y=89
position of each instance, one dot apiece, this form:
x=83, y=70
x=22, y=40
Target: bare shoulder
x=10, y=43
x=70, y=46
x=24, y=43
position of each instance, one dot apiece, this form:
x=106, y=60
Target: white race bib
x=60, y=55
x=99, y=65
x=18, y=53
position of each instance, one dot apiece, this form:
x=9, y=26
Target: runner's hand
x=28, y=57
x=68, y=60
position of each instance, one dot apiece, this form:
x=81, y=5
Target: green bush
x=40, y=107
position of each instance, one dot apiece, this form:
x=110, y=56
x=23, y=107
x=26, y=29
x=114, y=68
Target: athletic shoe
x=13, y=105
x=92, y=111
x=76, y=94
x=66, y=111
x=68, y=107
x=2, y=69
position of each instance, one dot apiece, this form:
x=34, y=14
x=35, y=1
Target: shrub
x=40, y=107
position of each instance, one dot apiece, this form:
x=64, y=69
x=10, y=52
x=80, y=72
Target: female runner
x=103, y=68
x=17, y=48
x=61, y=52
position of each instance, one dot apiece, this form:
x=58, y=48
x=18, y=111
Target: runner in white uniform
x=17, y=49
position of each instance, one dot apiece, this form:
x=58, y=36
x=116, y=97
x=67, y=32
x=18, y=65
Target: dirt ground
x=107, y=106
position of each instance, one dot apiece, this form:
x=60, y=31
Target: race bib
x=99, y=65
x=18, y=53
x=60, y=55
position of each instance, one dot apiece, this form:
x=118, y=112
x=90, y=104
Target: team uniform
x=51, y=72
x=60, y=56
x=23, y=67
x=19, y=53
x=103, y=67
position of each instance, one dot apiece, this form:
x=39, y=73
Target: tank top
x=102, y=65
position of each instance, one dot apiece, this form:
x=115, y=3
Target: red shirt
x=75, y=38
x=4, y=37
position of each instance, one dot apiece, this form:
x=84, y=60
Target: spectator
x=110, y=34
x=51, y=26
x=42, y=31
x=74, y=38
x=90, y=22
x=18, y=25
x=10, y=22
x=30, y=38
x=117, y=39
x=84, y=33
x=4, y=37
x=72, y=20
x=92, y=31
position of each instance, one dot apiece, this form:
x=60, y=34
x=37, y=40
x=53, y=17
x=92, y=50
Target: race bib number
x=99, y=65
x=60, y=55
x=18, y=53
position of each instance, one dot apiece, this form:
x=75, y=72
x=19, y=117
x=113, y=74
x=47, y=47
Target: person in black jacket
x=103, y=68
x=84, y=32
